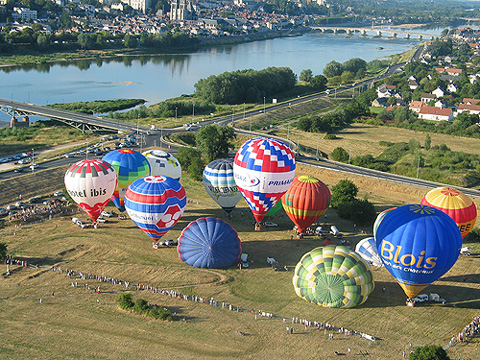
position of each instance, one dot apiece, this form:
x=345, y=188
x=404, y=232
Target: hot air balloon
x=379, y=219
x=90, y=183
x=274, y=209
x=130, y=166
x=209, y=243
x=367, y=249
x=454, y=203
x=306, y=201
x=263, y=170
x=155, y=204
x=220, y=185
x=163, y=163
x=417, y=244
x=333, y=276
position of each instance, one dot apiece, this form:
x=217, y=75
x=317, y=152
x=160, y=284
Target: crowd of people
x=41, y=212
x=470, y=330
x=308, y=324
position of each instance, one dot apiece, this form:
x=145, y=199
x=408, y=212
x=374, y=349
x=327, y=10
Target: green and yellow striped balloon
x=333, y=276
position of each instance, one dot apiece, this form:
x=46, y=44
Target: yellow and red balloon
x=454, y=203
x=306, y=201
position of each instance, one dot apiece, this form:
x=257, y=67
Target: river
x=156, y=78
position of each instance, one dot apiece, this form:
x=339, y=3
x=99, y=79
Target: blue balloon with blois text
x=418, y=244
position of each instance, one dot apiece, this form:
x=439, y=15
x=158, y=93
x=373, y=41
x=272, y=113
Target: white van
x=334, y=231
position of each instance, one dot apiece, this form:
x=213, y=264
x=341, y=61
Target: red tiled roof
x=432, y=110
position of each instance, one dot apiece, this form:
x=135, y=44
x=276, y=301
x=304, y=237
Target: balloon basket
x=410, y=303
x=258, y=227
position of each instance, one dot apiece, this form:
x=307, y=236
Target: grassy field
x=76, y=323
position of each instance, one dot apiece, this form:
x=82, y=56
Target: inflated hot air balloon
x=367, y=249
x=417, y=245
x=274, y=209
x=90, y=183
x=333, y=276
x=454, y=203
x=163, y=163
x=209, y=243
x=263, y=169
x=130, y=166
x=220, y=185
x=155, y=204
x=306, y=201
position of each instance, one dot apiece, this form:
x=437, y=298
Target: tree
x=429, y=352
x=215, y=141
x=3, y=250
x=42, y=41
x=333, y=68
x=361, y=212
x=345, y=191
x=129, y=41
x=85, y=41
x=185, y=155
x=319, y=82
x=339, y=154
x=428, y=142
x=306, y=75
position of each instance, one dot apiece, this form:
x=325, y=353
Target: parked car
x=18, y=170
x=33, y=166
x=20, y=204
x=270, y=224
x=3, y=211
x=244, y=261
x=11, y=207
x=168, y=242
x=107, y=214
x=33, y=200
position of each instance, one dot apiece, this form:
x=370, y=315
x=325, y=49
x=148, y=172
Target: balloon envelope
x=306, y=201
x=367, y=249
x=220, y=185
x=130, y=166
x=163, y=163
x=417, y=244
x=209, y=243
x=333, y=276
x=379, y=219
x=263, y=170
x=274, y=209
x=155, y=204
x=90, y=183
x=455, y=204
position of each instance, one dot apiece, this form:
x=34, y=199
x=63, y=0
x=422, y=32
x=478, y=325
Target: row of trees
x=340, y=118
x=34, y=38
x=245, y=86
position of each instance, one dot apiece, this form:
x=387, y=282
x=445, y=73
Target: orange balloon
x=306, y=201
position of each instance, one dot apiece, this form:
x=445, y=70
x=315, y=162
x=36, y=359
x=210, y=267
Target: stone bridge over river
x=376, y=31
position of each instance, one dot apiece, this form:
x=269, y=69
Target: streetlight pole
x=193, y=114
x=316, y=155
x=233, y=112
x=265, y=115
x=33, y=161
x=176, y=108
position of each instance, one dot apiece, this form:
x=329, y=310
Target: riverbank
x=12, y=61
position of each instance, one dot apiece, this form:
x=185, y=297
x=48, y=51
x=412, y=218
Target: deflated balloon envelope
x=417, y=244
x=367, y=249
x=333, y=276
x=209, y=243
x=90, y=183
x=155, y=204
x=130, y=166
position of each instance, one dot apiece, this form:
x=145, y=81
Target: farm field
x=76, y=323
x=362, y=139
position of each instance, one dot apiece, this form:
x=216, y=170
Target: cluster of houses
x=430, y=105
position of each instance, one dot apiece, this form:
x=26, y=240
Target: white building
x=24, y=14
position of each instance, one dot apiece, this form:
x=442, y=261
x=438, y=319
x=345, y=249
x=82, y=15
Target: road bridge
x=379, y=31
x=77, y=120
